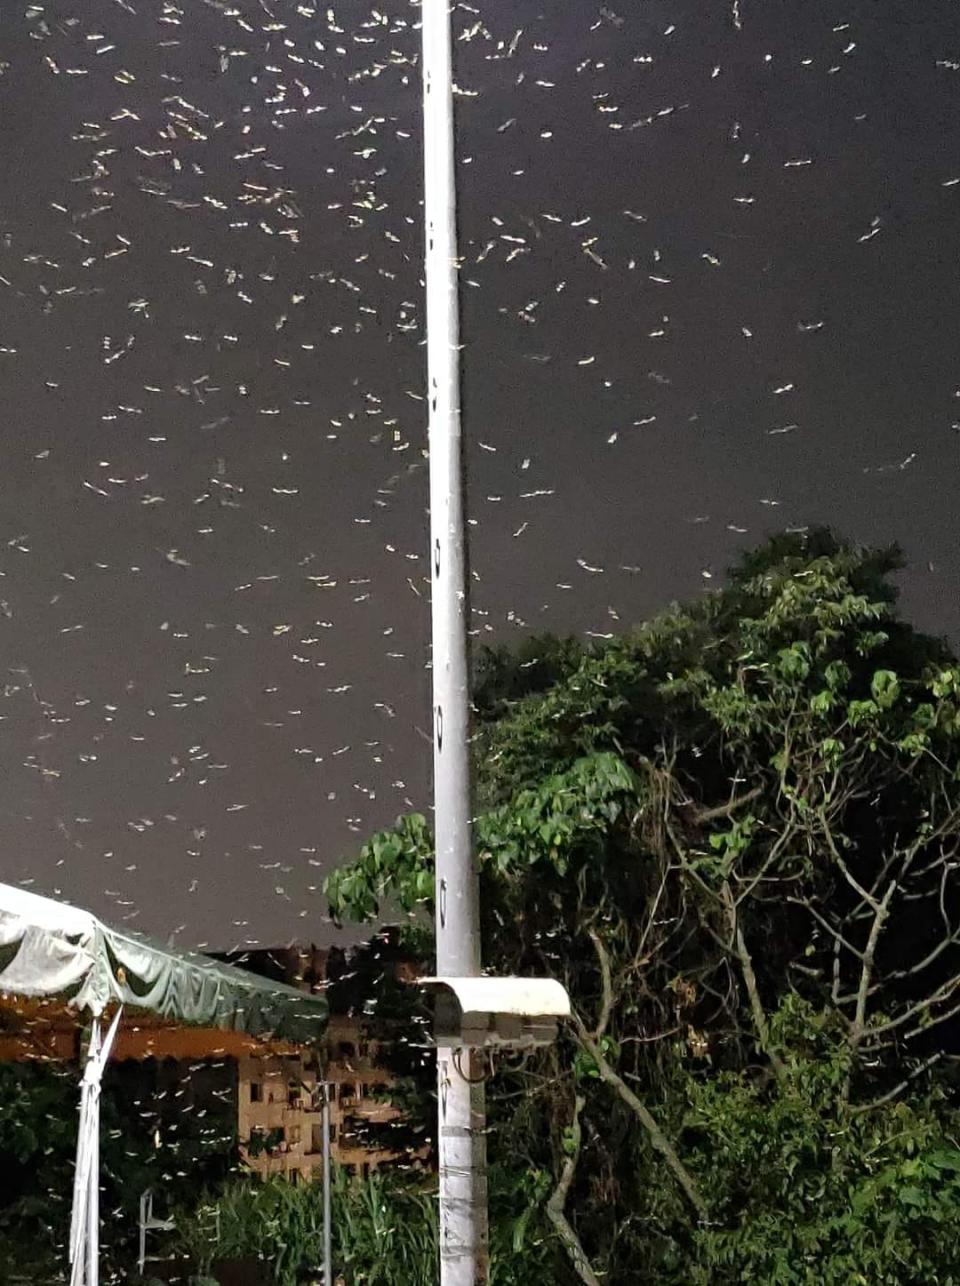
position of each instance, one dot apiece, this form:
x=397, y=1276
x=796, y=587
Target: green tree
x=150, y=1137
x=733, y=835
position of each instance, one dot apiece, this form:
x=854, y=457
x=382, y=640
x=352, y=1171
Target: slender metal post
x=327, y=1226
x=461, y=1102
x=85, y=1215
x=93, y=1200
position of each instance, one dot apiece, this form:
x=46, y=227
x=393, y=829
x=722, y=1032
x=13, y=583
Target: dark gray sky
x=711, y=289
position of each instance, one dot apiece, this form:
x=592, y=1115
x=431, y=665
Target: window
x=316, y=1136
x=293, y=1095
x=345, y=1049
x=256, y=1092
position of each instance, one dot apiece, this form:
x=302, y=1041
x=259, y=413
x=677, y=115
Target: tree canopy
x=733, y=834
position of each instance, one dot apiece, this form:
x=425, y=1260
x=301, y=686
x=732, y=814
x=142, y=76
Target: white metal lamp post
x=462, y=1117
x=473, y=1012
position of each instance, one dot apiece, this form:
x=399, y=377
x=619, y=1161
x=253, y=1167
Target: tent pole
x=93, y=1191
x=83, y=1189
x=85, y=1219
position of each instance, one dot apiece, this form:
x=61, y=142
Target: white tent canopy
x=52, y=951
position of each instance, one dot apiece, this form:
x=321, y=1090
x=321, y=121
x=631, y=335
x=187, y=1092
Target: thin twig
x=942, y=993
x=897, y=1089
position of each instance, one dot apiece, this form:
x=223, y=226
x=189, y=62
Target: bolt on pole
x=460, y=1092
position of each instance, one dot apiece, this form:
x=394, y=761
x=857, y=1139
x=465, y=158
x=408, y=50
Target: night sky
x=711, y=288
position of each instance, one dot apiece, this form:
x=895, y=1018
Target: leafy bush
x=802, y=1191
x=384, y=1228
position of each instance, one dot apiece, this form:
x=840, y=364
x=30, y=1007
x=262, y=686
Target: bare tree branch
x=866, y=968
x=858, y=1025
x=590, y=1042
x=556, y=1206
x=646, y=1119
x=726, y=810
x=606, y=982
x=750, y=982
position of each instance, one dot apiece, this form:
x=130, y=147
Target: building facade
x=280, y=1095
x=279, y=1108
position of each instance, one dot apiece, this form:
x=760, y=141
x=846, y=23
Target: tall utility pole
x=460, y=1091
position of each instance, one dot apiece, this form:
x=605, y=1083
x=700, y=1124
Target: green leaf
x=885, y=687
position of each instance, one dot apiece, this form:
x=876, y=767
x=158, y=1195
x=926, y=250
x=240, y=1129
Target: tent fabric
x=51, y=950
